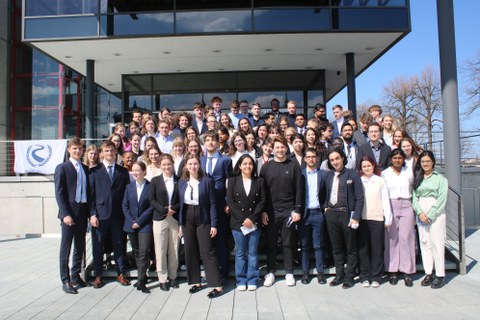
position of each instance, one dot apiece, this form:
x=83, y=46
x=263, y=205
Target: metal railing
x=455, y=239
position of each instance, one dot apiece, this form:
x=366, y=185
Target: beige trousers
x=165, y=237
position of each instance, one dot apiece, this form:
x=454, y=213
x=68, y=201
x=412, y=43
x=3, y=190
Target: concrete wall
x=28, y=206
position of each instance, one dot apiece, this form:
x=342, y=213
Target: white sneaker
x=269, y=280
x=375, y=284
x=252, y=287
x=242, y=288
x=290, y=279
x=365, y=284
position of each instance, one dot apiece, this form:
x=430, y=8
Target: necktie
x=210, y=166
x=349, y=151
x=78, y=194
x=110, y=173
x=334, y=194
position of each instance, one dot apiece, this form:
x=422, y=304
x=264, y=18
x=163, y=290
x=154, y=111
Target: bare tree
x=472, y=71
x=426, y=90
x=401, y=100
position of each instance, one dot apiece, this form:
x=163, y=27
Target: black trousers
x=370, y=249
x=222, y=239
x=275, y=226
x=115, y=227
x=76, y=235
x=198, y=243
x=342, y=238
x=141, y=244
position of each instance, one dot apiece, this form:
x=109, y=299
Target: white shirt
x=191, y=192
x=139, y=189
x=247, y=185
x=399, y=186
x=169, y=185
x=214, y=162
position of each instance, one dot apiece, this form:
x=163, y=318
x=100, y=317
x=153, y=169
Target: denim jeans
x=246, y=257
x=311, y=232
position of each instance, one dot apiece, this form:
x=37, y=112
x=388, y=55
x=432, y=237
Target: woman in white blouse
x=238, y=147
x=376, y=216
x=400, y=237
x=153, y=163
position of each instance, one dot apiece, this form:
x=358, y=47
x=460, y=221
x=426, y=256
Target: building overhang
x=115, y=57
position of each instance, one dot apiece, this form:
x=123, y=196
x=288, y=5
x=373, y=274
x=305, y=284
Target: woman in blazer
x=198, y=219
x=138, y=221
x=164, y=200
x=246, y=202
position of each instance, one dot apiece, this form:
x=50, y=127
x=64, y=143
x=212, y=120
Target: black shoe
x=68, y=288
x=321, y=278
x=393, y=279
x=145, y=290
x=408, y=280
x=427, y=281
x=174, y=284
x=135, y=285
x=336, y=281
x=79, y=283
x=195, y=288
x=214, y=293
x=438, y=283
x=305, y=278
x=164, y=286
x=347, y=284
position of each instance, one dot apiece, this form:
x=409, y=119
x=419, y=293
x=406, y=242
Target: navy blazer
x=243, y=206
x=204, y=126
x=137, y=211
x=355, y=196
x=366, y=150
x=222, y=170
x=107, y=196
x=159, y=200
x=206, y=201
x=65, y=180
x=321, y=188
x=336, y=130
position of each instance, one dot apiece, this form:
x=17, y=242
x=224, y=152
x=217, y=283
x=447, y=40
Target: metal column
x=89, y=99
x=351, y=92
x=448, y=72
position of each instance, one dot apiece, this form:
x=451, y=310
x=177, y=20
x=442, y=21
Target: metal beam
x=351, y=91
x=448, y=73
x=89, y=99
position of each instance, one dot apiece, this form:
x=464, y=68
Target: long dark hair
x=236, y=170
x=376, y=170
x=419, y=170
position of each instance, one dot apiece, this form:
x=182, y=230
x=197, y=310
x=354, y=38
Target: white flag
x=39, y=156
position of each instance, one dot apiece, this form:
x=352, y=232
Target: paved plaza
x=30, y=288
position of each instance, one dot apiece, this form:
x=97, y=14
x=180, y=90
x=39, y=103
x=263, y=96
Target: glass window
x=265, y=97
x=211, y=4
x=108, y=111
x=373, y=19
x=289, y=3
x=292, y=19
x=227, y=97
x=183, y=101
x=67, y=27
x=44, y=124
x=136, y=24
x=115, y=6
x=369, y=3
x=214, y=21
x=59, y=7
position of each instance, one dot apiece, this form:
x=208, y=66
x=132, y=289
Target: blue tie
x=78, y=194
x=210, y=166
x=110, y=173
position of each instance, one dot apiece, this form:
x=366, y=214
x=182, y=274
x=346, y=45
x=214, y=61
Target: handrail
x=455, y=241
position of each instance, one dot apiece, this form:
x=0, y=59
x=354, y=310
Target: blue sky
x=419, y=49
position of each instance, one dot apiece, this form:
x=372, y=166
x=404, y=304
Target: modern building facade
x=77, y=66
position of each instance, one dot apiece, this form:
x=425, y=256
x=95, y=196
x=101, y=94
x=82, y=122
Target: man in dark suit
x=375, y=148
x=338, y=121
x=199, y=122
x=71, y=193
x=219, y=168
x=107, y=183
x=350, y=146
x=343, y=210
x=312, y=224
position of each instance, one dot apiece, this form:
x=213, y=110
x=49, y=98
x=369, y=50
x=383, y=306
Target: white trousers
x=432, y=244
x=165, y=237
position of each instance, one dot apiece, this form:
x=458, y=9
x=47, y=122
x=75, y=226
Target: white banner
x=39, y=156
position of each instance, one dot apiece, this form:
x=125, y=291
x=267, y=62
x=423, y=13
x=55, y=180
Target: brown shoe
x=98, y=283
x=122, y=280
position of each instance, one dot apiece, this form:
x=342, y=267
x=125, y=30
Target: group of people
x=356, y=194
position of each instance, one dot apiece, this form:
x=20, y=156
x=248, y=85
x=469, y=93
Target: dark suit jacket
x=336, y=129
x=321, y=188
x=355, y=196
x=159, y=200
x=366, y=150
x=137, y=211
x=65, y=180
x=206, y=197
x=204, y=126
x=243, y=206
x=107, y=196
x=221, y=172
